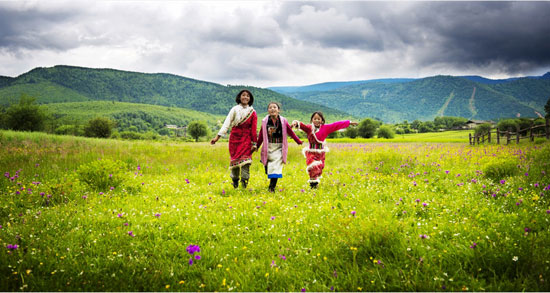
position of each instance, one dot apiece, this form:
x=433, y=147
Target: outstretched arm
x=292, y=134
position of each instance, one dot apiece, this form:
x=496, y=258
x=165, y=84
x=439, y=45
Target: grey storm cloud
x=280, y=40
x=33, y=29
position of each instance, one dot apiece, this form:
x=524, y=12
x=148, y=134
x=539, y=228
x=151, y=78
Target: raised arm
x=292, y=134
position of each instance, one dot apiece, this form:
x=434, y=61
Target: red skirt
x=315, y=163
x=240, y=144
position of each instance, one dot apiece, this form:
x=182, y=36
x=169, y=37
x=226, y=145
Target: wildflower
x=167, y=286
x=423, y=236
x=331, y=288
x=353, y=213
x=181, y=282
x=272, y=218
x=197, y=257
x=131, y=233
x=120, y=215
x=527, y=229
x=125, y=224
x=12, y=246
x=101, y=193
x=446, y=171
x=282, y=257
x=303, y=289
x=502, y=181
x=223, y=191
x=186, y=180
x=112, y=188
x=526, y=174
x=157, y=215
x=547, y=211
x=424, y=204
x=515, y=258
x=191, y=249
x=191, y=261
x=84, y=197
x=474, y=245
x=273, y=264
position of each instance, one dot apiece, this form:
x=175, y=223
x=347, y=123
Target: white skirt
x=275, y=160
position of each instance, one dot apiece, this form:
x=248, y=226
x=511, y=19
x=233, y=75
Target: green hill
x=74, y=84
x=427, y=98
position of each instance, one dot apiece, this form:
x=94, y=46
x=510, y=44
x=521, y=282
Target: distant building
x=471, y=124
x=177, y=129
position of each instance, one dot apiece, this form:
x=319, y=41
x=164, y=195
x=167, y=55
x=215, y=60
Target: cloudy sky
x=276, y=43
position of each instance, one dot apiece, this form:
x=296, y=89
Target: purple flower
x=282, y=257
x=446, y=171
x=112, y=188
x=191, y=249
x=120, y=215
x=139, y=167
x=331, y=288
x=502, y=181
x=191, y=261
x=526, y=174
x=84, y=197
x=186, y=180
x=223, y=191
x=157, y=215
x=272, y=218
x=547, y=211
x=12, y=246
x=131, y=233
x=353, y=213
x=423, y=236
x=197, y=257
x=303, y=289
x=527, y=229
x=424, y=204
x=125, y=224
x=473, y=245
x=101, y=193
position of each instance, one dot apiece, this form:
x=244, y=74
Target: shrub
x=483, y=129
x=385, y=132
x=367, y=128
x=25, y=116
x=498, y=170
x=351, y=132
x=508, y=125
x=102, y=174
x=98, y=127
x=69, y=130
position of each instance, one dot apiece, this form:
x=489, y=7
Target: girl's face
x=273, y=110
x=245, y=98
x=317, y=120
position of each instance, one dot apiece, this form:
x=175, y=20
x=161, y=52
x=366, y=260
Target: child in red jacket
x=317, y=132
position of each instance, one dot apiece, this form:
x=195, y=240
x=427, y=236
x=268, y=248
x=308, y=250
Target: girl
x=317, y=132
x=274, y=152
x=242, y=141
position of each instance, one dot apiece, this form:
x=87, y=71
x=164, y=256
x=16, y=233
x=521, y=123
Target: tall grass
x=386, y=217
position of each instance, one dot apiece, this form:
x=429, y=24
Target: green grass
x=458, y=136
x=386, y=217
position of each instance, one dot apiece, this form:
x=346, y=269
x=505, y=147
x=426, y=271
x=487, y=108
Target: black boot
x=244, y=183
x=272, y=184
x=236, y=183
x=313, y=185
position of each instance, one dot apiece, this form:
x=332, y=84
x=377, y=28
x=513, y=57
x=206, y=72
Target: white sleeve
x=227, y=123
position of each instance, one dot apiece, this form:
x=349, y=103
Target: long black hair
x=320, y=115
x=238, y=98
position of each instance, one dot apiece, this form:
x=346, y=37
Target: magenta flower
x=272, y=218
x=120, y=215
x=157, y=215
x=353, y=213
x=474, y=245
x=131, y=233
x=12, y=246
x=186, y=180
x=191, y=249
x=423, y=236
x=197, y=257
x=502, y=181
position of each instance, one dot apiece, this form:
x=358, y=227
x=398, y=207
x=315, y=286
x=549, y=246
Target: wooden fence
x=509, y=135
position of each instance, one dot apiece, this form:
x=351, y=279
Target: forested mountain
x=427, y=98
x=77, y=84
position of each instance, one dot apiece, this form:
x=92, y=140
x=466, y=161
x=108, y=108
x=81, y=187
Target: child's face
x=317, y=120
x=273, y=110
x=245, y=98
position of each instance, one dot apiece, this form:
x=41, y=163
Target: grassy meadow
x=80, y=214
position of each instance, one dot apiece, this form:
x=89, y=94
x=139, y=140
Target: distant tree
x=426, y=126
x=508, y=125
x=25, y=116
x=416, y=124
x=483, y=129
x=367, y=128
x=351, y=132
x=547, y=108
x=99, y=127
x=385, y=131
x=197, y=129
